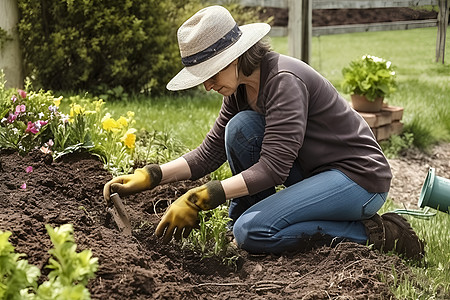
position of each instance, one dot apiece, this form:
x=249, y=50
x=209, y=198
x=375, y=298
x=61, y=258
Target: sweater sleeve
x=285, y=101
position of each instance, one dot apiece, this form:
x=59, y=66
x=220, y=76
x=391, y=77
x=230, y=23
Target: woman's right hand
x=143, y=179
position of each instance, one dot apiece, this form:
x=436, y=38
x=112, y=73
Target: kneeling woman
x=281, y=122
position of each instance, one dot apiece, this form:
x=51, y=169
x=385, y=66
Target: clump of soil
x=140, y=267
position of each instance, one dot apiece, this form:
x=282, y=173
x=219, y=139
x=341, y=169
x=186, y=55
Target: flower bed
x=140, y=267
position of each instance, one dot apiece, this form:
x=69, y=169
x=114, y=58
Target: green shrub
x=107, y=47
x=83, y=45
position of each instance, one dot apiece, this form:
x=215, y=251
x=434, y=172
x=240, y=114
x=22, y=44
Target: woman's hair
x=250, y=60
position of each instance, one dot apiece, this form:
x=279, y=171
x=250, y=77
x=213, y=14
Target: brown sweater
x=306, y=120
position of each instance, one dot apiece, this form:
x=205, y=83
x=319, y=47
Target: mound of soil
x=331, y=17
x=140, y=267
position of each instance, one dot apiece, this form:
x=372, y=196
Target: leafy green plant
x=16, y=275
x=71, y=270
x=210, y=239
x=370, y=76
x=396, y=144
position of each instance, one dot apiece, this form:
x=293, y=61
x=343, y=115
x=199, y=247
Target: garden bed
x=140, y=267
x=331, y=17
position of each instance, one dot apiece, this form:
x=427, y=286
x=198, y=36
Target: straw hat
x=209, y=41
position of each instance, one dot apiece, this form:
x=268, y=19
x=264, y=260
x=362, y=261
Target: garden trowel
x=120, y=215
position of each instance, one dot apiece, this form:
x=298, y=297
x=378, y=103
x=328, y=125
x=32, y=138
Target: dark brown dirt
x=140, y=267
x=331, y=17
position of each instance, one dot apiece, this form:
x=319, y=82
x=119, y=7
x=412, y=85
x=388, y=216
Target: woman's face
x=225, y=82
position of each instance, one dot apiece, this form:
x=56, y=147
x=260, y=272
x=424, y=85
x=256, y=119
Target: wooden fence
x=300, y=30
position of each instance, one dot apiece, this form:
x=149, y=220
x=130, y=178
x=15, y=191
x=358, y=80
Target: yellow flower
x=57, y=101
x=129, y=139
x=130, y=114
x=109, y=124
x=98, y=105
x=76, y=109
x=123, y=122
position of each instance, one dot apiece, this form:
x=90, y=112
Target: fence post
x=306, y=30
x=10, y=54
x=300, y=29
x=442, y=29
x=295, y=28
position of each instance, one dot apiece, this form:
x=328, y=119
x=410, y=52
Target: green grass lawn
x=187, y=116
x=423, y=85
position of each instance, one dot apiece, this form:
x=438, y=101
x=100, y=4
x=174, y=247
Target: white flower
x=106, y=117
x=64, y=118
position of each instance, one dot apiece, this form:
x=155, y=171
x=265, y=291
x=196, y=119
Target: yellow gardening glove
x=182, y=215
x=143, y=179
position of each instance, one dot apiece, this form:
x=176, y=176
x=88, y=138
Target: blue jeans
x=319, y=210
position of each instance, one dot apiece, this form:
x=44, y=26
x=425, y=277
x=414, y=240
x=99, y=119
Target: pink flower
x=14, y=98
x=20, y=109
x=23, y=186
x=43, y=123
x=29, y=169
x=31, y=127
x=11, y=118
x=22, y=93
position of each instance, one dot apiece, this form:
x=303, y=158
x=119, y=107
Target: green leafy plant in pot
x=369, y=80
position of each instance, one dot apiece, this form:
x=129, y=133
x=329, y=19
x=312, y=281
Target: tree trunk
x=10, y=54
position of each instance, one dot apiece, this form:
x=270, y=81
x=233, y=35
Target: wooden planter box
x=386, y=122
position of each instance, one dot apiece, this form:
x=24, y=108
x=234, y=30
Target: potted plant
x=369, y=80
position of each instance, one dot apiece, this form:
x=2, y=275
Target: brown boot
x=392, y=232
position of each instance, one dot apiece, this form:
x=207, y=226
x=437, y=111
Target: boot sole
x=408, y=236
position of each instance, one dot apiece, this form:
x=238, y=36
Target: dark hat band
x=223, y=43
